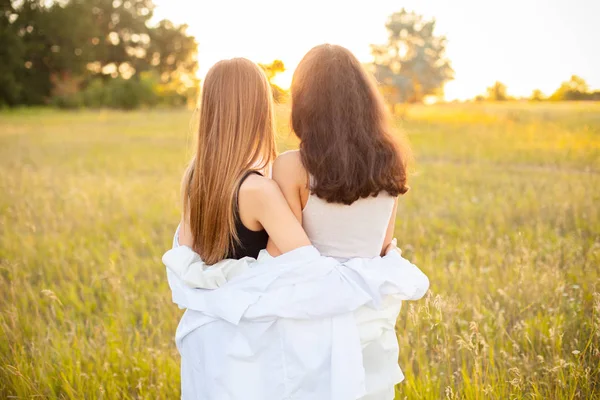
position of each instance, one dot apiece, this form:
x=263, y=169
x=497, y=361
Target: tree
x=272, y=70
x=57, y=48
x=537, y=95
x=172, y=54
x=29, y=52
x=11, y=54
x=412, y=64
x=497, y=92
x=575, y=88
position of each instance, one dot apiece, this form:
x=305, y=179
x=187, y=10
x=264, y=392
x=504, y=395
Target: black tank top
x=251, y=242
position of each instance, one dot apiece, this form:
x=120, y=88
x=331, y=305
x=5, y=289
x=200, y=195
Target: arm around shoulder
x=269, y=206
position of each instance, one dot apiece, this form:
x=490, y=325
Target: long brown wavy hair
x=235, y=134
x=346, y=140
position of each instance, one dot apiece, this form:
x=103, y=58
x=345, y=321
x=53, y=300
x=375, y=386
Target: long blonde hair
x=235, y=134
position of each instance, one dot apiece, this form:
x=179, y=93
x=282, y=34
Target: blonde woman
x=230, y=208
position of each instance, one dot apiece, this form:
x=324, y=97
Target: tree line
x=109, y=53
x=103, y=53
x=574, y=89
x=413, y=65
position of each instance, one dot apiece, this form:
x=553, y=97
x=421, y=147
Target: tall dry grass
x=503, y=216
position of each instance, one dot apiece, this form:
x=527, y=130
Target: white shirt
x=364, y=224
x=284, y=327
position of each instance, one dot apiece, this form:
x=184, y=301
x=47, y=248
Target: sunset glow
x=525, y=44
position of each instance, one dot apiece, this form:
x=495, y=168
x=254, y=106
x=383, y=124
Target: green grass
x=503, y=216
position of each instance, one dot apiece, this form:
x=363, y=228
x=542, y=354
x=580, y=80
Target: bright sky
x=526, y=44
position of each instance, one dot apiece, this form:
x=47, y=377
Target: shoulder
x=288, y=167
x=257, y=189
x=289, y=159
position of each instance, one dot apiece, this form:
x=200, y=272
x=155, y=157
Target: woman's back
x=347, y=231
x=250, y=241
x=228, y=211
x=361, y=229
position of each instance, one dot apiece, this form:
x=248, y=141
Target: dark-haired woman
x=344, y=181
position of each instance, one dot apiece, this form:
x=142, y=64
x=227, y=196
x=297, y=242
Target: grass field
x=503, y=215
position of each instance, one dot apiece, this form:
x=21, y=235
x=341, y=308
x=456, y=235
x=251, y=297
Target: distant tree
x=56, y=48
x=32, y=53
x=272, y=70
x=575, y=88
x=172, y=54
x=497, y=92
x=537, y=95
x=413, y=63
x=118, y=33
x=11, y=54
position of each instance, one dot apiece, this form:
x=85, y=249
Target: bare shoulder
x=288, y=168
x=258, y=189
x=289, y=160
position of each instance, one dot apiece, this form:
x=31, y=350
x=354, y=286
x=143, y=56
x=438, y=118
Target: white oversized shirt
x=285, y=327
